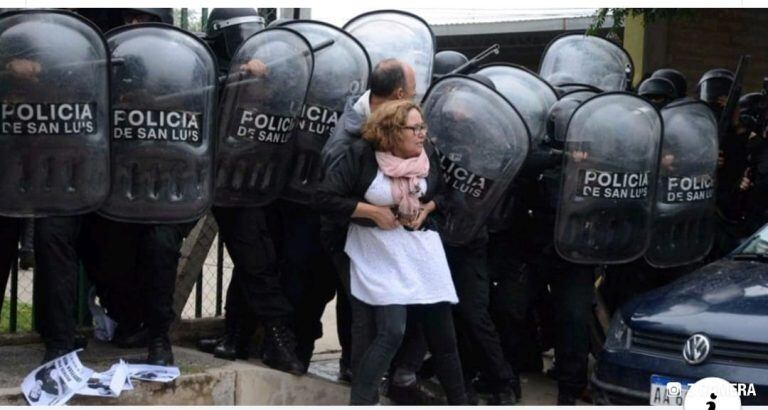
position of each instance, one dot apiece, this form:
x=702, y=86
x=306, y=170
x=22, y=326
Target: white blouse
x=397, y=266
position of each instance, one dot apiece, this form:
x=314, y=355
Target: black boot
x=236, y=342
x=517, y=389
x=279, y=348
x=130, y=337
x=502, y=397
x=345, y=373
x=160, y=352
x=206, y=345
x=54, y=352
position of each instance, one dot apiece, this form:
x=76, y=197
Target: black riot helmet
x=713, y=85
x=559, y=115
x=659, y=91
x=107, y=19
x=228, y=28
x=158, y=15
x=677, y=78
x=751, y=107
x=485, y=80
x=447, y=61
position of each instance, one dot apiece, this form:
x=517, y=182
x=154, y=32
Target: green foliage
x=649, y=16
x=194, y=19
x=23, y=319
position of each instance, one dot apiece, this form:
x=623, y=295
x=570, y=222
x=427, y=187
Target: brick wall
x=715, y=38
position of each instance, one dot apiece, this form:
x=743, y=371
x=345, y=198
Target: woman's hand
x=381, y=215
x=424, y=212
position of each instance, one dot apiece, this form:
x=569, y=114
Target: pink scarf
x=405, y=174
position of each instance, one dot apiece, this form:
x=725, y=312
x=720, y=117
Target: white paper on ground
x=55, y=382
x=108, y=384
x=147, y=372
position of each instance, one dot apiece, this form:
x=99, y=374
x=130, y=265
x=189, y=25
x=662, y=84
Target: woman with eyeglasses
x=389, y=188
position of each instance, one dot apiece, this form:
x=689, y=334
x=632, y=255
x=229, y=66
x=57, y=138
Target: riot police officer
x=753, y=187
x=255, y=291
x=659, y=91
x=713, y=88
x=676, y=77
x=55, y=188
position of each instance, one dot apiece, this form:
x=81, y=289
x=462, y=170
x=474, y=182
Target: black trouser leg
x=9, y=244
x=344, y=324
x=309, y=277
x=510, y=300
x=411, y=354
x=235, y=308
x=573, y=290
x=248, y=240
x=158, y=256
x=111, y=264
x=470, y=276
x=437, y=323
x=344, y=311
x=56, y=267
x=389, y=323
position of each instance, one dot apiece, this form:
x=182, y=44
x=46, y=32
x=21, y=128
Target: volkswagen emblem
x=696, y=349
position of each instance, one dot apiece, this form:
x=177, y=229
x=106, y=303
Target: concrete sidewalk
x=204, y=380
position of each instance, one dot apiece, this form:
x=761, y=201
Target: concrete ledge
x=204, y=381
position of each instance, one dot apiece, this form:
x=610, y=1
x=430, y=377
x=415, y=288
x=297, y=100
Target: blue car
x=710, y=323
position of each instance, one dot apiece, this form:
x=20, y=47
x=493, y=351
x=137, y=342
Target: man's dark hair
x=387, y=76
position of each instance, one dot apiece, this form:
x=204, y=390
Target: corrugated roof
x=438, y=17
x=451, y=16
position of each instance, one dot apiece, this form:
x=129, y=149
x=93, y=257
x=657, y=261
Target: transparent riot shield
x=341, y=71
x=529, y=93
x=397, y=34
x=54, y=98
x=578, y=59
x=163, y=104
x=482, y=141
x=258, y=115
x=609, y=167
x=684, y=210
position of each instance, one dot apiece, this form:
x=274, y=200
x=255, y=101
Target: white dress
x=396, y=267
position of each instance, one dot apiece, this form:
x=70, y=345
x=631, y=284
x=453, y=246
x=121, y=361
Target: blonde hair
x=382, y=128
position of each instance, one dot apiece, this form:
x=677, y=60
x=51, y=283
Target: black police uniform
x=9, y=240
x=571, y=285
x=309, y=277
x=478, y=340
x=255, y=291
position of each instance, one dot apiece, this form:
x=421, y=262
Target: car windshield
x=757, y=245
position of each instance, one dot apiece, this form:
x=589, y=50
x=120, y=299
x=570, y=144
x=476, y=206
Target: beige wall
x=712, y=38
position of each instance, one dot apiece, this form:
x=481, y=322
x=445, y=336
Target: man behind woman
x=389, y=187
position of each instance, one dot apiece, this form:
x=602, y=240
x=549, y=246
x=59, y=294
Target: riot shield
x=163, y=106
x=606, y=197
x=54, y=94
x=482, y=141
x=341, y=70
x=684, y=210
x=532, y=96
x=578, y=59
x=397, y=34
x=529, y=93
x=257, y=117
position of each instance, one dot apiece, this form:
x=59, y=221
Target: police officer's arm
x=337, y=194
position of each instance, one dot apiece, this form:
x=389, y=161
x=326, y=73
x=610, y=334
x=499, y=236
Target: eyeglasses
x=417, y=129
